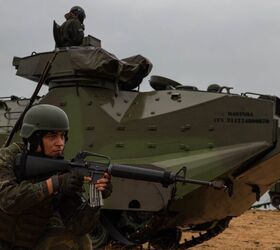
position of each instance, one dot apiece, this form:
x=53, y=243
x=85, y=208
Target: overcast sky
x=195, y=42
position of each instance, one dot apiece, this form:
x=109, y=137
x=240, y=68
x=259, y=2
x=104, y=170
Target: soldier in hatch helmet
x=78, y=12
x=71, y=32
x=44, y=213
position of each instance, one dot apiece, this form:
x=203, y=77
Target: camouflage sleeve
x=16, y=197
x=77, y=216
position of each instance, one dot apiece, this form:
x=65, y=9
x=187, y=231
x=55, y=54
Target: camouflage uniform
x=71, y=32
x=28, y=217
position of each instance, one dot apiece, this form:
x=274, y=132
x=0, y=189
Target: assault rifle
x=28, y=167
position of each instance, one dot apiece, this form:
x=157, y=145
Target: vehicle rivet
x=157, y=99
x=121, y=128
x=152, y=113
x=175, y=96
x=119, y=114
x=90, y=145
x=90, y=128
x=210, y=145
x=211, y=128
x=120, y=145
x=125, y=101
x=90, y=103
x=185, y=127
x=152, y=128
x=182, y=146
x=152, y=145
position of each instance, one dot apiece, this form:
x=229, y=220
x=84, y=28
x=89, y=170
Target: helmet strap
x=42, y=146
x=35, y=141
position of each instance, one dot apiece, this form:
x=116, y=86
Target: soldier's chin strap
x=34, y=142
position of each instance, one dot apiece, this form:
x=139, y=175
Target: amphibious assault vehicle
x=215, y=134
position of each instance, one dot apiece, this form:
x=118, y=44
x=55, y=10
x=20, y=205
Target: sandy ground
x=255, y=229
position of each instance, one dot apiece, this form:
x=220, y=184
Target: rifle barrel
x=141, y=173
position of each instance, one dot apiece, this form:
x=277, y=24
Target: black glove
x=71, y=183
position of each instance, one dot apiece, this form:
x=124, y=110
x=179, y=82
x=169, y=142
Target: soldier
x=44, y=213
x=71, y=32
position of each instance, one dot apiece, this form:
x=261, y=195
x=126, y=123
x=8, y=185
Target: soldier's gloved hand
x=70, y=183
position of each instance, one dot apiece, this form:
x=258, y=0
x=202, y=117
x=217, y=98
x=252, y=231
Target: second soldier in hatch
x=71, y=32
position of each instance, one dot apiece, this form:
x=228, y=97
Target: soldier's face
x=54, y=143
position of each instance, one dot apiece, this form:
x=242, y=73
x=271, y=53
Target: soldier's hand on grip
x=71, y=183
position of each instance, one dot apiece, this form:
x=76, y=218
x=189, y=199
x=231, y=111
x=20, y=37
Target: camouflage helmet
x=43, y=117
x=78, y=12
